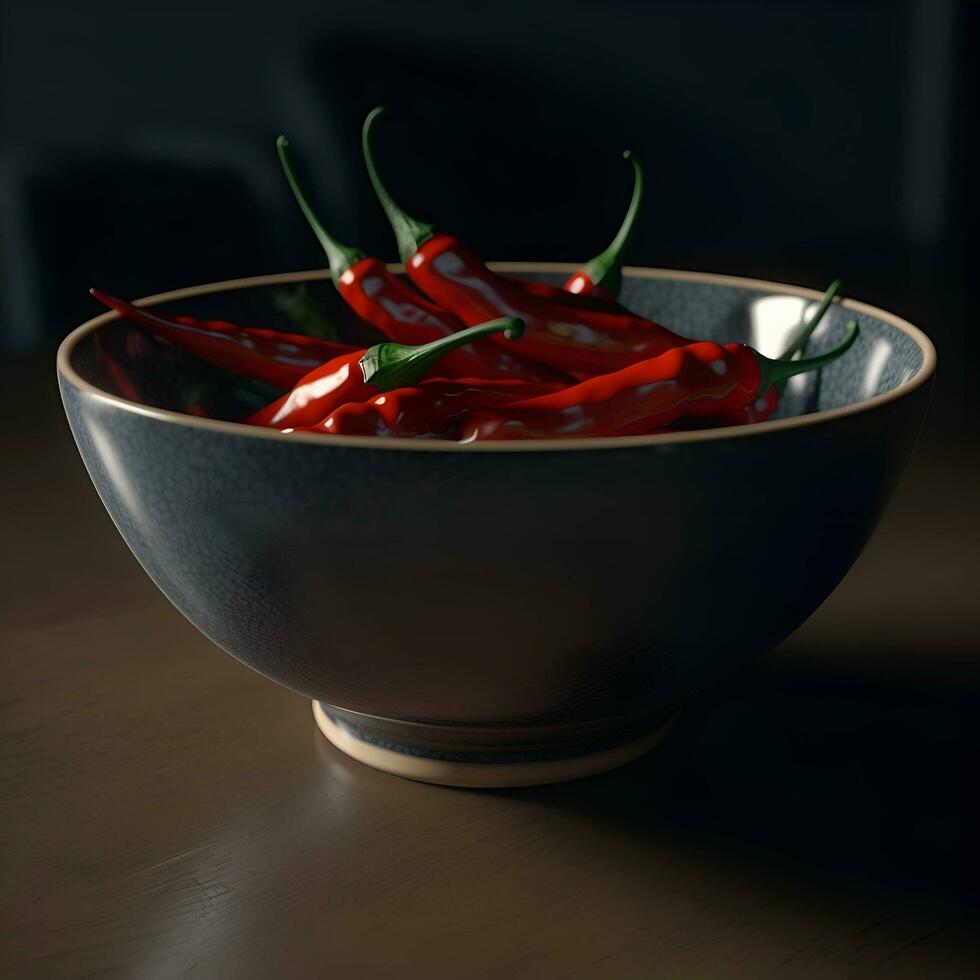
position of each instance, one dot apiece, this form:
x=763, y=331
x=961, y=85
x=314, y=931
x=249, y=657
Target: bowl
x=496, y=614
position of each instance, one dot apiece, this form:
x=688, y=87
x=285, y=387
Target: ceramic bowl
x=496, y=614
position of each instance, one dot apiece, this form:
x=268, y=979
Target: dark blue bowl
x=496, y=613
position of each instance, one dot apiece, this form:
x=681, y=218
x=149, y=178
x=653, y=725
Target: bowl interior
x=124, y=360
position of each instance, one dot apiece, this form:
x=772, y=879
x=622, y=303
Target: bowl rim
x=906, y=387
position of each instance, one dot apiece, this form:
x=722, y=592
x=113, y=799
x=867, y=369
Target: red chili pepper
x=761, y=409
x=766, y=404
x=360, y=375
x=430, y=408
x=701, y=379
x=577, y=340
x=400, y=312
x=280, y=359
x=603, y=275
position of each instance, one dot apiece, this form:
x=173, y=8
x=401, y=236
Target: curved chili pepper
x=577, y=340
x=280, y=359
x=701, y=379
x=431, y=408
x=596, y=285
x=603, y=275
x=400, y=312
x=764, y=407
x=357, y=376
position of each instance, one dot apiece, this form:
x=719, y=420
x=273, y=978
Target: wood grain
x=166, y=812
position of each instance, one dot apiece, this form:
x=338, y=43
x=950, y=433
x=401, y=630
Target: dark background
x=814, y=811
x=789, y=140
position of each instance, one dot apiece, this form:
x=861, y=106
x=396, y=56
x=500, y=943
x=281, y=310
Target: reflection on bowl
x=499, y=613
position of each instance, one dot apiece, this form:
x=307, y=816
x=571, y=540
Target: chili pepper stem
x=606, y=269
x=389, y=366
x=778, y=372
x=799, y=342
x=339, y=257
x=410, y=233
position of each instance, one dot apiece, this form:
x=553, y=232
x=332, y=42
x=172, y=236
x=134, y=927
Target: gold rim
x=920, y=377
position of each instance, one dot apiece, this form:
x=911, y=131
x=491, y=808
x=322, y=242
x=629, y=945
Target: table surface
x=165, y=811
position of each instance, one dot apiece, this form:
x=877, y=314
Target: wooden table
x=167, y=812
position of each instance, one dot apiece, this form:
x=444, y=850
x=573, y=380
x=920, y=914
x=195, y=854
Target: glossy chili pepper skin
x=431, y=408
x=577, y=341
x=602, y=276
x=279, y=359
x=700, y=379
x=764, y=407
x=317, y=394
x=360, y=375
x=583, y=342
x=392, y=306
x=760, y=410
x=580, y=284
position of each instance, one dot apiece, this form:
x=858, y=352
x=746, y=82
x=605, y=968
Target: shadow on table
x=858, y=781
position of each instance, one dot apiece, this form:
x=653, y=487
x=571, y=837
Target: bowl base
x=442, y=769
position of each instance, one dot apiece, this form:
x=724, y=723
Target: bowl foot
x=488, y=772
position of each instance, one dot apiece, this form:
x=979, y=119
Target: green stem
x=340, y=257
x=778, y=372
x=799, y=342
x=410, y=233
x=606, y=269
x=397, y=366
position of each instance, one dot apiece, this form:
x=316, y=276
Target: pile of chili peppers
x=473, y=355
